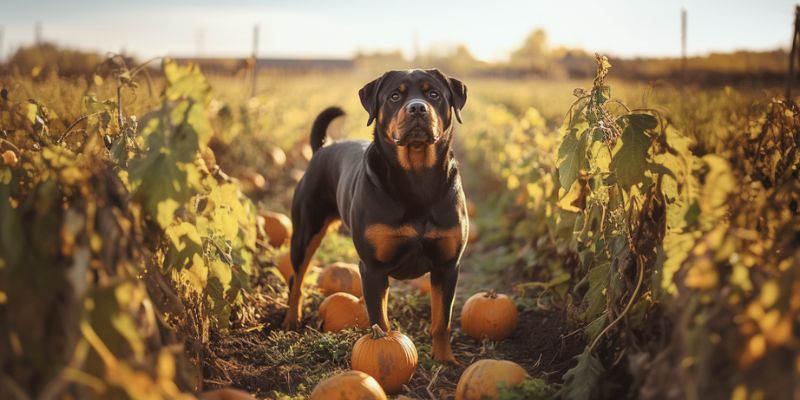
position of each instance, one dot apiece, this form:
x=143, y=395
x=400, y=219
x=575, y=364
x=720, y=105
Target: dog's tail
x=320, y=127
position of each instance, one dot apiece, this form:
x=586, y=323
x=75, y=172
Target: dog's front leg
x=375, y=285
x=443, y=290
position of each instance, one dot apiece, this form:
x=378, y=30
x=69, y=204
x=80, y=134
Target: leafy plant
x=122, y=240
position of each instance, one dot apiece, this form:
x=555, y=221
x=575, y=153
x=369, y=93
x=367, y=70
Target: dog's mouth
x=416, y=138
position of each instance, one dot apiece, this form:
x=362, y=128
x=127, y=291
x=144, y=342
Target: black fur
x=367, y=184
x=320, y=126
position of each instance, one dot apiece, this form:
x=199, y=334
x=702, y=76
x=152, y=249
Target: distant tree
x=455, y=60
x=533, y=51
x=380, y=61
x=47, y=58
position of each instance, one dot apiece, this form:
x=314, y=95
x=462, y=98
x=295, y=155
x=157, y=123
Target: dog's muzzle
x=418, y=131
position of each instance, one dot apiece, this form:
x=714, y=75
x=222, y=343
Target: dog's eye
x=395, y=96
x=433, y=94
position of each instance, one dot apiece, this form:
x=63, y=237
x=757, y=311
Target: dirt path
x=256, y=355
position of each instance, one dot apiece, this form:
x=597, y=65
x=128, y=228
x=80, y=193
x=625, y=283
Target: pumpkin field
x=628, y=239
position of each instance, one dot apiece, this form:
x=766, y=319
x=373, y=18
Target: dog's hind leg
x=305, y=241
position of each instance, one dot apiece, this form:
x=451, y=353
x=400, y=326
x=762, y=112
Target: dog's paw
x=290, y=323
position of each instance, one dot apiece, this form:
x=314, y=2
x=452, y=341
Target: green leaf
x=186, y=82
x=162, y=184
x=595, y=297
x=601, y=94
x=583, y=381
x=185, y=243
x=676, y=248
x=572, y=156
x=643, y=121
x=630, y=161
x=219, y=283
x=165, y=176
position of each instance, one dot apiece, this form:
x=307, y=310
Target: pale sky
x=317, y=28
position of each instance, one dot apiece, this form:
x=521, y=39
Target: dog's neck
x=417, y=185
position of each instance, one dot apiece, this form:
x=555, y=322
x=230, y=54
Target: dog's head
x=414, y=109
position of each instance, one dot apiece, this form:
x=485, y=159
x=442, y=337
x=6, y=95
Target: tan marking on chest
x=448, y=240
x=385, y=239
x=416, y=159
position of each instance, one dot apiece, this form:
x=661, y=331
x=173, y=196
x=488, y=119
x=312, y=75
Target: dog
x=400, y=196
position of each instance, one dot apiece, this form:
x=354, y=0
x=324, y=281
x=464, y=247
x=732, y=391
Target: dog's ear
x=458, y=91
x=369, y=97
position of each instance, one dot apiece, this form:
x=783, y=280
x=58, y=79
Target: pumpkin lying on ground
x=285, y=266
x=488, y=315
x=278, y=228
x=423, y=283
x=390, y=358
x=10, y=158
x=342, y=311
x=479, y=381
x=226, y=394
x=340, y=277
x=349, y=385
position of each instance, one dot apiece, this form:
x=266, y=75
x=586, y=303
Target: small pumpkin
x=285, y=265
x=489, y=315
x=278, y=228
x=480, y=380
x=340, y=277
x=10, y=158
x=349, y=385
x=391, y=358
x=423, y=283
x=342, y=311
x=226, y=394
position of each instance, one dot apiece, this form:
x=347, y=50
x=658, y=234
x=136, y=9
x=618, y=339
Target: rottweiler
x=399, y=195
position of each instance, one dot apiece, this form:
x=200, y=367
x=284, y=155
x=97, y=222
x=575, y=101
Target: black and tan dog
x=399, y=194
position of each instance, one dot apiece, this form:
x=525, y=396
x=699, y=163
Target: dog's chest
x=413, y=241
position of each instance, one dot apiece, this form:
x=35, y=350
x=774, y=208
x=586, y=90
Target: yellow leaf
x=30, y=112
x=739, y=393
x=166, y=211
x=702, y=274
x=755, y=349
x=770, y=291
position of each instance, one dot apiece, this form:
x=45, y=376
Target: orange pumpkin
x=10, y=158
x=226, y=394
x=285, y=265
x=488, y=315
x=349, y=385
x=340, y=277
x=479, y=380
x=423, y=283
x=342, y=311
x=278, y=228
x=390, y=358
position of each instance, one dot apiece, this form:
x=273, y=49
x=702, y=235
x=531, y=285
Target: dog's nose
x=416, y=108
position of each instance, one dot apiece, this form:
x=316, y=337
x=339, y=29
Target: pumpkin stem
x=377, y=332
x=492, y=294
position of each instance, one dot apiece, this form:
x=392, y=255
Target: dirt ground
x=257, y=356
